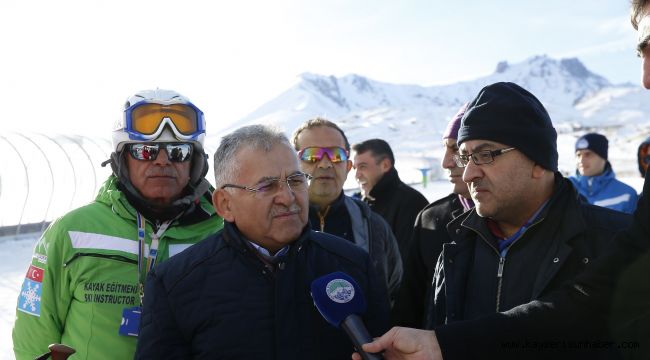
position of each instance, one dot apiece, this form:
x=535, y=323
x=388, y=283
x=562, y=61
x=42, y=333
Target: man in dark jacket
x=614, y=292
x=244, y=293
x=528, y=232
x=324, y=151
x=382, y=189
x=429, y=234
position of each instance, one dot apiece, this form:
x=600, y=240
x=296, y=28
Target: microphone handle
x=356, y=330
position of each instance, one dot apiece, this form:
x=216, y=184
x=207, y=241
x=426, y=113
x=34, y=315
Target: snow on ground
x=17, y=251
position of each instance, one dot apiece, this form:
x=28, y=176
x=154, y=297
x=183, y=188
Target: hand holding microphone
x=339, y=299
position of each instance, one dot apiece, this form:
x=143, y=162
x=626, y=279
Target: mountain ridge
x=412, y=117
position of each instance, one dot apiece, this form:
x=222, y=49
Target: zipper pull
x=322, y=218
x=502, y=260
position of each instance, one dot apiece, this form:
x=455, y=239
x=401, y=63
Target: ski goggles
x=176, y=152
x=315, y=154
x=146, y=121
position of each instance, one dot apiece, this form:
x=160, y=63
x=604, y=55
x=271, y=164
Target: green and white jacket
x=84, y=273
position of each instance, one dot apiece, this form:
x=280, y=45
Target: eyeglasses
x=146, y=121
x=479, y=158
x=297, y=181
x=315, y=154
x=176, y=152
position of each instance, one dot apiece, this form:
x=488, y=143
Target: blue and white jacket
x=604, y=190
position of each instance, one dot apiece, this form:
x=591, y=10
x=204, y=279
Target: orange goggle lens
x=146, y=118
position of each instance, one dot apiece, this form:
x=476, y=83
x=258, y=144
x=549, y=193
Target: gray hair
x=257, y=137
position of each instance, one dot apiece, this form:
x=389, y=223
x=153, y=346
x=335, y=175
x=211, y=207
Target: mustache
x=321, y=172
x=283, y=210
x=161, y=171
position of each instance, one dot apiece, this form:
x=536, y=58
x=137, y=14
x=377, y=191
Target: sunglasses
x=146, y=120
x=176, y=152
x=314, y=154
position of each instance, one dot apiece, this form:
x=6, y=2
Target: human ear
x=222, y=202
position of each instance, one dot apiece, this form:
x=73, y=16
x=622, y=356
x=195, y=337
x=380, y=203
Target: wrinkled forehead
x=259, y=163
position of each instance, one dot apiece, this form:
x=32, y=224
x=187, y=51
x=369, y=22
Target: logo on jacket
x=340, y=290
x=30, y=294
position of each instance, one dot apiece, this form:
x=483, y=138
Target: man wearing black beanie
x=513, y=247
x=528, y=233
x=613, y=292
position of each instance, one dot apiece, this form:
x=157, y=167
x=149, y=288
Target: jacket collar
x=237, y=240
x=564, y=200
x=386, y=184
x=563, y=210
x=112, y=195
x=594, y=184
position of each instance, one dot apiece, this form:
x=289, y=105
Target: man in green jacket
x=83, y=287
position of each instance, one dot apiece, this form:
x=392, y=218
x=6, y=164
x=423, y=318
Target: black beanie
x=505, y=112
x=594, y=142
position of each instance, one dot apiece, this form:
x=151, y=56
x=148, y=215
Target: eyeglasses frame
x=463, y=160
x=275, y=179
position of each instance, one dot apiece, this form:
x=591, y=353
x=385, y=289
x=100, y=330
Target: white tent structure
x=42, y=176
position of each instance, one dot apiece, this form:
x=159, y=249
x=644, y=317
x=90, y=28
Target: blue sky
x=68, y=65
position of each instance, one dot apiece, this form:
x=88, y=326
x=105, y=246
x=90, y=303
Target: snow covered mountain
x=45, y=175
x=412, y=117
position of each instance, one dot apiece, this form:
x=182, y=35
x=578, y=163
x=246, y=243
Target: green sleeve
x=44, y=298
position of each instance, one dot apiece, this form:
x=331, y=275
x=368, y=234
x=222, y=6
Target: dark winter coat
x=399, y=204
x=473, y=279
x=429, y=234
x=371, y=233
x=611, y=297
x=219, y=300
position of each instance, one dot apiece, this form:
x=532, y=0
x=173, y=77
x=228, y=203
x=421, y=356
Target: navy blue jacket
x=220, y=300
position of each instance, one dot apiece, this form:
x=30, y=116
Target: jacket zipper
x=502, y=260
x=322, y=218
x=103, y=256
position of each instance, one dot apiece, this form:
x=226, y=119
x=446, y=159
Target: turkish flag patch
x=35, y=273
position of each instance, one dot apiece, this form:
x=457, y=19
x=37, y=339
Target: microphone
x=340, y=301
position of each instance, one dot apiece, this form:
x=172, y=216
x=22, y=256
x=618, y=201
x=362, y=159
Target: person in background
x=86, y=277
x=324, y=152
x=429, y=233
x=382, y=189
x=595, y=179
x=244, y=293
